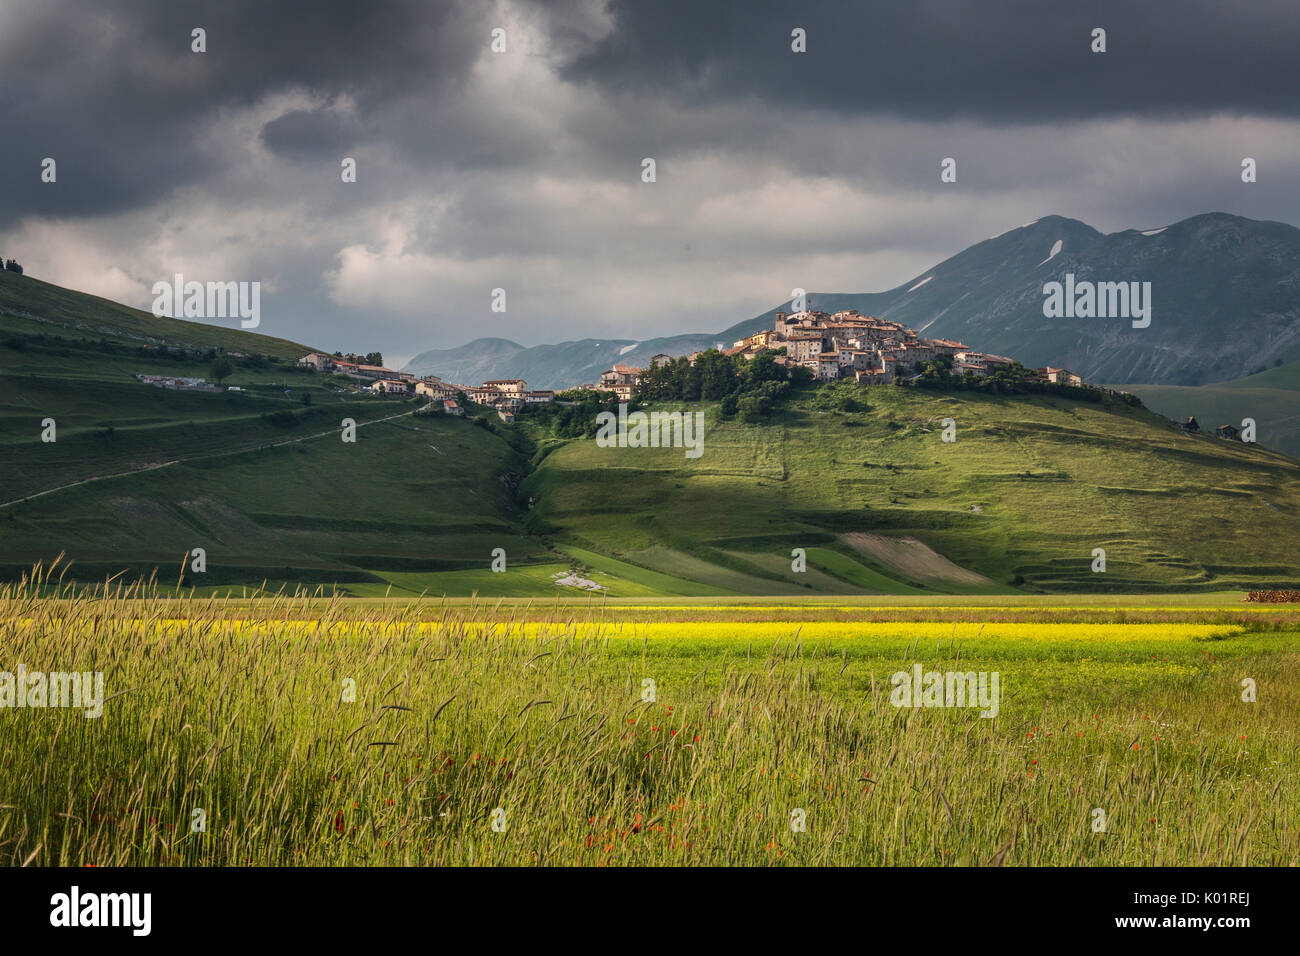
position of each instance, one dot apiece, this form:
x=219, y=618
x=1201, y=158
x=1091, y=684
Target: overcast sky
x=522, y=170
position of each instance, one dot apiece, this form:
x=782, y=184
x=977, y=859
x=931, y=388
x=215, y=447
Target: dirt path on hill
x=218, y=454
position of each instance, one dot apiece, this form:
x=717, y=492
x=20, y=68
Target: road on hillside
x=217, y=454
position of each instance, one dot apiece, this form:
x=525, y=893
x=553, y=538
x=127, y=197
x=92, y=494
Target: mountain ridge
x=1226, y=299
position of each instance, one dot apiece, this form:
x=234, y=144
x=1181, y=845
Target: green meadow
x=1022, y=497
x=1271, y=398
x=299, y=731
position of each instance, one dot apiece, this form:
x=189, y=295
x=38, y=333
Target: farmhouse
x=622, y=380
x=1060, y=376
x=369, y=371
x=620, y=375
x=318, y=361
x=435, y=389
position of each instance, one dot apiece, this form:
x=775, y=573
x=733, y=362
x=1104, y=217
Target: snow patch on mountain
x=919, y=284
x=627, y=348
x=1056, y=247
x=1155, y=232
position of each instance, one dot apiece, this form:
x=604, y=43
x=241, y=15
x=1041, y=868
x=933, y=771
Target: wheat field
x=306, y=732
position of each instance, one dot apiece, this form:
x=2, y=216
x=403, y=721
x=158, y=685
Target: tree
x=221, y=368
x=374, y=358
x=762, y=368
x=801, y=376
x=717, y=374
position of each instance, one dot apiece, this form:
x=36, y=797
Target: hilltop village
x=847, y=344
x=835, y=346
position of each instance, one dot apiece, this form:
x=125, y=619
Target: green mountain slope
x=1029, y=488
x=259, y=478
x=1271, y=398
x=411, y=495
x=29, y=307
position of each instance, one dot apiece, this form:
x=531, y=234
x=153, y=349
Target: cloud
x=521, y=170
x=1002, y=61
x=116, y=96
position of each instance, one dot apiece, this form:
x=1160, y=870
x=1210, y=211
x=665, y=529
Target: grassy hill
x=260, y=479
x=1029, y=488
x=1270, y=397
x=30, y=309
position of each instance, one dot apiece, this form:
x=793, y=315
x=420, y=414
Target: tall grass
x=462, y=710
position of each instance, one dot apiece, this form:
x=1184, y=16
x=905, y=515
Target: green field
x=398, y=732
x=416, y=494
x=1029, y=488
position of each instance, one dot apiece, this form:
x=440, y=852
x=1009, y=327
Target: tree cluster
x=370, y=358
x=1013, y=379
x=748, y=390
x=572, y=414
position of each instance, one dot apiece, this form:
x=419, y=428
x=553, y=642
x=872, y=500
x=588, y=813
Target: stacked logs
x=1274, y=597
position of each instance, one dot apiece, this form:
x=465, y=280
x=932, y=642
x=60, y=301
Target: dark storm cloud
x=309, y=133
x=1004, y=61
x=114, y=94
x=522, y=171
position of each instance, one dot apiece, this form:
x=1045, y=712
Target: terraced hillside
x=1031, y=486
